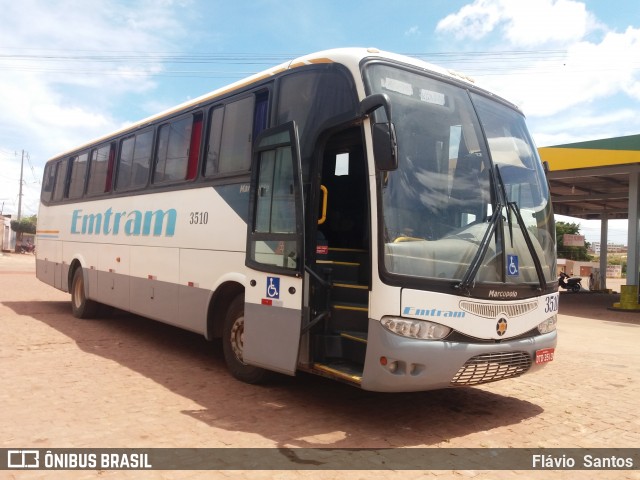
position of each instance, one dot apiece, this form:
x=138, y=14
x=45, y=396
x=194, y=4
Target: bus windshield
x=462, y=158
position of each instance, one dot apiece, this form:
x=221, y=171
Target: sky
x=72, y=70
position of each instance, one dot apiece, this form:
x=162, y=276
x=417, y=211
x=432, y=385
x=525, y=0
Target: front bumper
x=417, y=365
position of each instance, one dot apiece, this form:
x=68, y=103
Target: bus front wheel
x=233, y=345
x=81, y=306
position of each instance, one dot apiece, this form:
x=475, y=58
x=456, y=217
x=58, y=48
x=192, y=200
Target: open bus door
x=275, y=249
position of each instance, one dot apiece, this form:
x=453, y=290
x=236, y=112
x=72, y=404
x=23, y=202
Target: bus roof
x=349, y=57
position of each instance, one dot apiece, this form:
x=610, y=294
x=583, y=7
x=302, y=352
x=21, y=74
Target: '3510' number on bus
x=552, y=304
x=198, y=218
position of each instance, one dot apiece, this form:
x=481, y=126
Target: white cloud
x=523, y=23
x=585, y=124
x=63, y=65
x=472, y=21
x=585, y=73
x=575, y=78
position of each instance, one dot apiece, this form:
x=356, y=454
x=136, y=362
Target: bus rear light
x=419, y=329
x=549, y=325
x=383, y=361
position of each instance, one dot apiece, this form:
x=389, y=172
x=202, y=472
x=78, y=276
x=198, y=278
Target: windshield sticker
x=512, y=265
x=397, y=86
x=430, y=96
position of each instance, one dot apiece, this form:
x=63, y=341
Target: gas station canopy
x=590, y=180
x=600, y=180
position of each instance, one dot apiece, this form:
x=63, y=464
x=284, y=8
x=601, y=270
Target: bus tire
x=81, y=306
x=232, y=345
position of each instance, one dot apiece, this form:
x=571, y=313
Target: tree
x=571, y=253
x=25, y=225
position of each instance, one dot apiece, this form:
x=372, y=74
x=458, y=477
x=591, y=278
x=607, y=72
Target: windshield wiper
x=505, y=199
x=474, y=266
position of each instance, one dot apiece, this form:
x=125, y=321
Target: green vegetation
x=571, y=253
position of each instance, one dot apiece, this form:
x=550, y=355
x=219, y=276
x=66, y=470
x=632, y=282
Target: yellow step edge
x=350, y=285
x=331, y=262
x=345, y=376
x=349, y=307
x=353, y=337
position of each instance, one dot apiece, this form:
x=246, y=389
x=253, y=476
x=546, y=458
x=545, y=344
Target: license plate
x=545, y=355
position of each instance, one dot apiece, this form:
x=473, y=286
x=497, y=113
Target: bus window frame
x=128, y=190
x=298, y=236
x=111, y=160
x=61, y=164
x=71, y=163
x=152, y=183
x=222, y=103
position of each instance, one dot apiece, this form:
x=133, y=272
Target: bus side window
x=100, y=169
x=173, y=151
x=134, y=160
x=49, y=181
x=235, y=143
x=59, y=190
x=77, y=175
x=213, y=142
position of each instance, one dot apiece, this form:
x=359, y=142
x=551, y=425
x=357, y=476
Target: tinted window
x=77, y=175
x=61, y=180
x=172, y=155
x=310, y=98
x=235, y=145
x=100, y=170
x=133, y=164
x=213, y=144
x=48, y=181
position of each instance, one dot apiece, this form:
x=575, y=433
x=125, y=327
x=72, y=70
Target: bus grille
x=492, y=310
x=491, y=367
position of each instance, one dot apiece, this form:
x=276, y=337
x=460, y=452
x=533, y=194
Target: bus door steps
x=349, y=317
x=350, y=293
x=347, y=264
x=342, y=271
x=343, y=370
x=345, y=334
x=348, y=346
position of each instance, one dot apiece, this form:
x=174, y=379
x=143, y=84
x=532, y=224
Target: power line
x=118, y=63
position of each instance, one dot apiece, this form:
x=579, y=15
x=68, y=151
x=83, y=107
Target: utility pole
x=20, y=193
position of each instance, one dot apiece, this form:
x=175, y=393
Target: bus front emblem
x=501, y=326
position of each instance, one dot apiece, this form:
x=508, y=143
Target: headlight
x=419, y=329
x=549, y=325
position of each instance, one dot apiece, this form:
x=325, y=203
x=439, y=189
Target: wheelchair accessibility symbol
x=273, y=287
x=512, y=265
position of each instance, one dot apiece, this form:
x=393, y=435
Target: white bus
x=356, y=214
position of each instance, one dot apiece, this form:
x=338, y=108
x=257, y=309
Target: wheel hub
x=237, y=337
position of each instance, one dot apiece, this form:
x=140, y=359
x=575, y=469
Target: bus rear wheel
x=233, y=346
x=81, y=306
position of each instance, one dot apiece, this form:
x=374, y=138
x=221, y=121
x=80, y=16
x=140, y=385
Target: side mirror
x=385, y=143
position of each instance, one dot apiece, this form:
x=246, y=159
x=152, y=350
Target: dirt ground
x=126, y=381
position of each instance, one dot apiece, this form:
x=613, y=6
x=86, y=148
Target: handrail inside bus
x=325, y=196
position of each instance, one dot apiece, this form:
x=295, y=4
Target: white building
x=7, y=236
